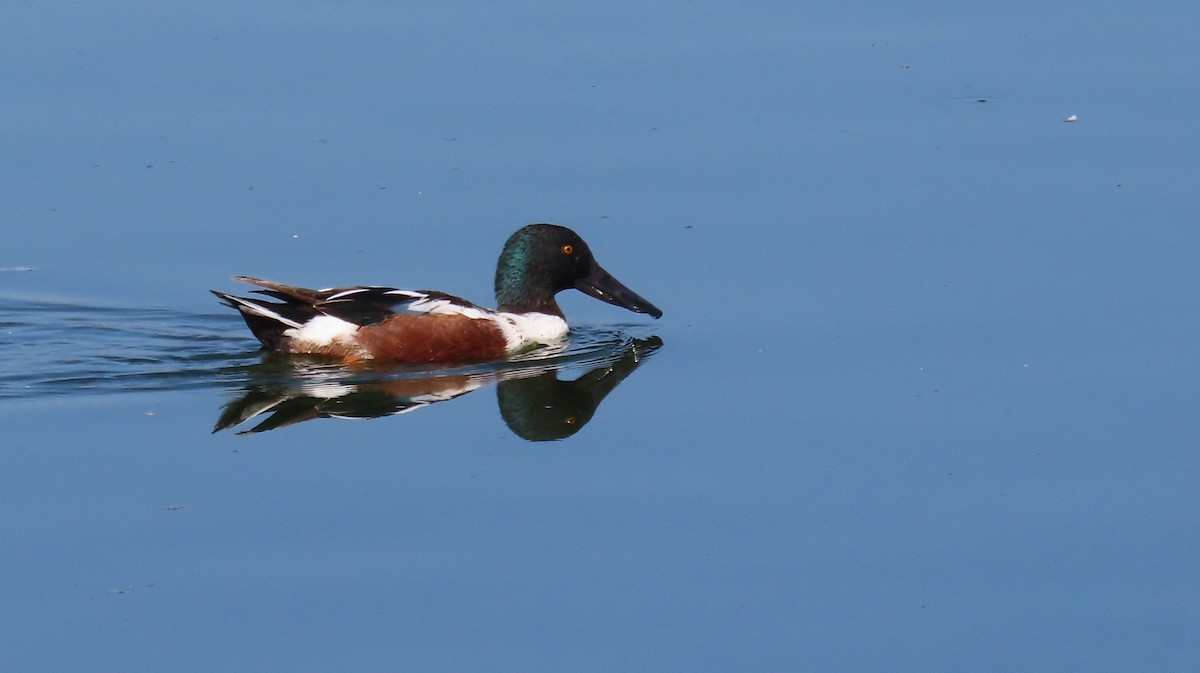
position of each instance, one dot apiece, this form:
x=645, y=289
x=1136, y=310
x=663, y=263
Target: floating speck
x=1072, y=118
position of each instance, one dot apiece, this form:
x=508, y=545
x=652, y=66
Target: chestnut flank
x=433, y=338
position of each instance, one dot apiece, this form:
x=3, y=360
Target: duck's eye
x=568, y=249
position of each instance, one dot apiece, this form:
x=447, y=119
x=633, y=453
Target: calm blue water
x=922, y=397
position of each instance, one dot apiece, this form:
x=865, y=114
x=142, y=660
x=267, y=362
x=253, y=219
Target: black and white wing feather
x=370, y=305
x=361, y=305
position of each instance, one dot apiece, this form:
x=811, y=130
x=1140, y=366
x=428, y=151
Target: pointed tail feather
x=285, y=292
x=260, y=308
x=267, y=320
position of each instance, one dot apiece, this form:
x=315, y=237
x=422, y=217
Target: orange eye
x=568, y=249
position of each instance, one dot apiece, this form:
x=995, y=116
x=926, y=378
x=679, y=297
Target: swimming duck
x=423, y=326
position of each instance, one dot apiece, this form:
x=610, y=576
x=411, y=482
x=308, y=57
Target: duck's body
x=371, y=322
x=365, y=322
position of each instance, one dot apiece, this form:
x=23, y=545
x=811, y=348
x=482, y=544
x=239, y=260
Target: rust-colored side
x=433, y=338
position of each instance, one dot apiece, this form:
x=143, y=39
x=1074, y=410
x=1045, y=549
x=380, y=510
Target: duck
x=370, y=322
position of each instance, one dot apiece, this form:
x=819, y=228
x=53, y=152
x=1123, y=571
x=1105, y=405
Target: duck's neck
x=517, y=286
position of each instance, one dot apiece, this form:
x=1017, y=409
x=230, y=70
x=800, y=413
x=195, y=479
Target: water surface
x=921, y=397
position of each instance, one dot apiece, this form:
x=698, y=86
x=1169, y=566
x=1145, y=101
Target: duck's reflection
x=535, y=403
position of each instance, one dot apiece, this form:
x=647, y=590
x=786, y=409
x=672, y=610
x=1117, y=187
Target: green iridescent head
x=541, y=260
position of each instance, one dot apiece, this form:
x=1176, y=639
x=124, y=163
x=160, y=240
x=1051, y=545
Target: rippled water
x=69, y=349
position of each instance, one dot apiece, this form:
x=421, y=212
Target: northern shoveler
x=418, y=326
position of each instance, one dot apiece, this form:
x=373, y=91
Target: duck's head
x=541, y=260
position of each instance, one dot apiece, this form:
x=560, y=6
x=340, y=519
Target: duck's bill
x=601, y=285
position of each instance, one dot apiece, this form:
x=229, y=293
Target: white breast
x=522, y=330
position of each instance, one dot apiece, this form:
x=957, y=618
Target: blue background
x=926, y=400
